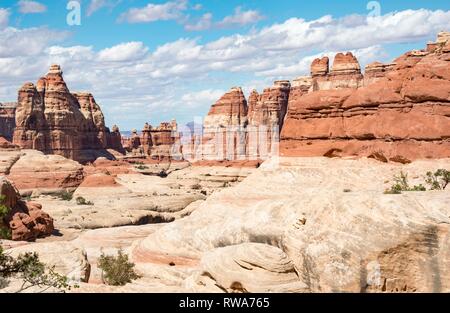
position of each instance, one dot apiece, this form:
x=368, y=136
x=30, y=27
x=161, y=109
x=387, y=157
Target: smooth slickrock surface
x=338, y=241
x=67, y=258
x=293, y=225
x=34, y=170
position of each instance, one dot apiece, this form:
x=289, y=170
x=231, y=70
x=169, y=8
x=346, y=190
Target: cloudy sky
x=157, y=60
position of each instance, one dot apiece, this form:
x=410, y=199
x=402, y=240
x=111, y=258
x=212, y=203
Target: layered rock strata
x=400, y=110
x=26, y=220
x=7, y=120
x=51, y=119
x=224, y=127
x=162, y=142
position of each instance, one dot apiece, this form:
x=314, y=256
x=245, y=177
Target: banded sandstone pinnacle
x=399, y=110
x=51, y=119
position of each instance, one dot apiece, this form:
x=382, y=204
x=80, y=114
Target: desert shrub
x=401, y=184
x=65, y=195
x=117, y=270
x=163, y=174
x=347, y=190
x=5, y=232
x=142, y=167
x=31, y=271
x=83, y=201
x=438, y=180
x=196, y=187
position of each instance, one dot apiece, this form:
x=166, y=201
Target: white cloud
x=171, y=10
x=28, y=7
x=302, y=66
x=240, y=18
x=204, y=23
x=4, y=17
x=96, y=5
x=26, y=42
x=129, y=51
x=203, y=98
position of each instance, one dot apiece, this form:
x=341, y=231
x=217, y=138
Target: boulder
x=26, y=220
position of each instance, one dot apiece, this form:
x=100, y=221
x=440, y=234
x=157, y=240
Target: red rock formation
x=320, y=67
x=224, y=128
x=5, y=144
x=35, y=170
x=266, y=118
x=99, y=180
x=402, y=111
x=51, y=119
x=7, y=120
x=133, y=144
x=114, y=139
x=26, y=220
x=345, y=73
x=375, y=71
x=162, y=142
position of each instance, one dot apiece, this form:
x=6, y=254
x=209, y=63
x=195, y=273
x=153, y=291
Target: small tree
x=117, y=270
x=65, y=195
x=438, y=180
x=5, y=232
x=401, y=184
x=31, y=271
x=83, y=201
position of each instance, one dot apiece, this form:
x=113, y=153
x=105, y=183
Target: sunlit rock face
x=398, y=110
x=51, y=119
x=7, y=120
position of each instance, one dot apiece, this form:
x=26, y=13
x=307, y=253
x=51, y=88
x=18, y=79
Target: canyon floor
x=291, y=225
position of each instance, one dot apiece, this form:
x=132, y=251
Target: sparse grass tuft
x=65, y=195
x=401, y=184
x=83, y=201
x=117, y=270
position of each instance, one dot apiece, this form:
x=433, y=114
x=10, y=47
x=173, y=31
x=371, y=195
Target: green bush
x=117, y=270
x=31, y=271
x=401, y=184
x=5, y=232
x=438, y=180
x=65, y=195
x=142, y=167
x=83, y=201
x=163, y=174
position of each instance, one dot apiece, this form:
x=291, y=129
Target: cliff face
x=398, y=111
x=51, y=119
x=161, y=142
x=224, y=128
x=7, y=120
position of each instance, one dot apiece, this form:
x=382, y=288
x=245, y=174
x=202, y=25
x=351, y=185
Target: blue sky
x=156, y=60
